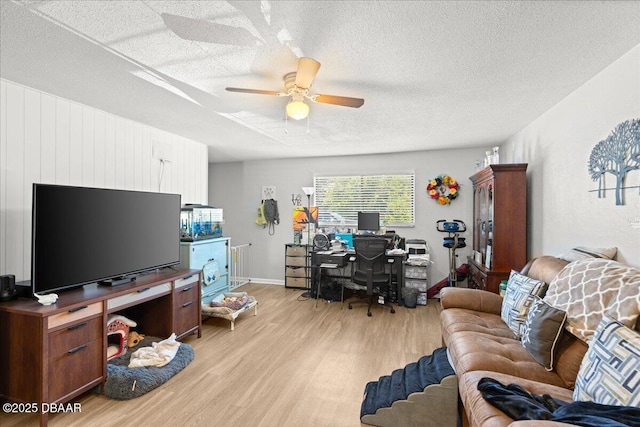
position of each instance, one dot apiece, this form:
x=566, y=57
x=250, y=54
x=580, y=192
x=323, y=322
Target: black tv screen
x=369, y=221
x=83, y=235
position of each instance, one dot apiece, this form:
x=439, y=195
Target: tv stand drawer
x=74, y=314
x=138, y=296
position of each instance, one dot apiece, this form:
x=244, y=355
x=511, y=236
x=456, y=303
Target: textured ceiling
x=433, y=74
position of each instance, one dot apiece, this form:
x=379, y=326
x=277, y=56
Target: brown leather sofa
x=481, y=345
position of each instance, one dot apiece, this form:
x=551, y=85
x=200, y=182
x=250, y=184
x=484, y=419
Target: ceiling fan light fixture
x=297, y=110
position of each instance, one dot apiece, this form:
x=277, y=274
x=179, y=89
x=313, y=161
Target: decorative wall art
x=616, y=155
x=303, y=220
x=443, y=189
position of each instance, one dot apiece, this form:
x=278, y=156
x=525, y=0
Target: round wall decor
x=443, y=189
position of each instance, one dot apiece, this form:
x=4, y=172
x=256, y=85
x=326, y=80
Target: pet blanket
x=159, y=354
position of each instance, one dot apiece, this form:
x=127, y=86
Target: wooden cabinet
x=297, y=266
x=499, y=224
x=51, y=354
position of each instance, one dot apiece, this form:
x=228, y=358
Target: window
x=339, y=198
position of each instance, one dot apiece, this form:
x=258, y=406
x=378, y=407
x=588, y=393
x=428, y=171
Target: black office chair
x=369, y=271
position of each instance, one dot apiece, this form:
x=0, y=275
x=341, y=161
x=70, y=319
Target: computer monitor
x=368, y=221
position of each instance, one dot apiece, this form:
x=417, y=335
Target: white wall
x=563, y=209
x=237, y=187
x=47, y=139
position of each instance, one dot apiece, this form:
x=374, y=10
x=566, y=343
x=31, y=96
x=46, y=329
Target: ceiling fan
x=297, y=84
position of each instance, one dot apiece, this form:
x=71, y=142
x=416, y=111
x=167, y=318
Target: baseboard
x=266, y=281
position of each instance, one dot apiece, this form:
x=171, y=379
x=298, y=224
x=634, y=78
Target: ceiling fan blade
x=256, y=91
x=338, y=100
x=307, y=70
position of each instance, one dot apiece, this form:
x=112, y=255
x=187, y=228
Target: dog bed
x=125, y=383
x=230, y=305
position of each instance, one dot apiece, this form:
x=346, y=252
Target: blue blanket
x=519, y=404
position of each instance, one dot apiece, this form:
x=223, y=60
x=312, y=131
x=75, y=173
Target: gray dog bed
x=125, y=383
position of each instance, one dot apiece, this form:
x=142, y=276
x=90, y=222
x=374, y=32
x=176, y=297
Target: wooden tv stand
x=51, y=354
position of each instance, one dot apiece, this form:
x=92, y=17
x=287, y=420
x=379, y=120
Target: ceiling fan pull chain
x=286, y=122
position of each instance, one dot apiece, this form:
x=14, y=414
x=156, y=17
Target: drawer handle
x=188, y=288
x=77, y=349
x=143, y=290
x=73, y=310
x=187, y=304
x=78, y=326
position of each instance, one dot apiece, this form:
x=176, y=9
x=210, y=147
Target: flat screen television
x=368, y=221
x=84, y=235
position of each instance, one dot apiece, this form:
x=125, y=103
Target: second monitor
x=368, y=221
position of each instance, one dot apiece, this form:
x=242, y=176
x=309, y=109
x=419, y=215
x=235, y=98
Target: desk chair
x=369, y=271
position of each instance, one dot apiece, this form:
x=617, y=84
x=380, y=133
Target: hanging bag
x=271, y=215
x=261, y=220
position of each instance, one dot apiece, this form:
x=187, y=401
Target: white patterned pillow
x=587, y=289
x=517, y=299
x=582, y=252
x=610, y=371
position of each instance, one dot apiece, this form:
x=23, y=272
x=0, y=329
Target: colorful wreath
x=443, y=189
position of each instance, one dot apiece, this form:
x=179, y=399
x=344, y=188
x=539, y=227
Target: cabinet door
x=201, y=254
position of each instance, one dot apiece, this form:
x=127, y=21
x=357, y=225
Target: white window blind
x=340, y=198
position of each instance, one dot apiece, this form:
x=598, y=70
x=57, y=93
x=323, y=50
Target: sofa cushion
x=454, y=320
x=518, y=298
x=610, y=371
x=587, y=289
x=480, y=412
x=476, y=351
x=541, y=332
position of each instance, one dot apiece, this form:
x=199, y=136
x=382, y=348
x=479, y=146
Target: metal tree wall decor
x=617, y=155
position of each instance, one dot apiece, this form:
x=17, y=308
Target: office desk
x=346, y=262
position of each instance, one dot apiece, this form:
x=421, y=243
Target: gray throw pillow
x=541, y=332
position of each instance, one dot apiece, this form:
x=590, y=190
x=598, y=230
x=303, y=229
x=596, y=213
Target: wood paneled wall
x=47, y=139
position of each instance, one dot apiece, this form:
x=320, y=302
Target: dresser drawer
x=138, y=296
x=295, y=281
x=75, y=368
x=74, y=315
x=74, y=336
x=293, y=261
x=296, y=251
x=296, y=272
x=477, y=278
x=190, y=280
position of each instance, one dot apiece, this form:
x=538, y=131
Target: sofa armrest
x=471, y=299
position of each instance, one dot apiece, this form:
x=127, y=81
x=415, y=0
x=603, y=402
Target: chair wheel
x=392, y=310
x=350, y=306
x=369, y=313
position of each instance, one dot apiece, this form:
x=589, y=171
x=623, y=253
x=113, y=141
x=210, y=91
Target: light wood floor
x=291, y=365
